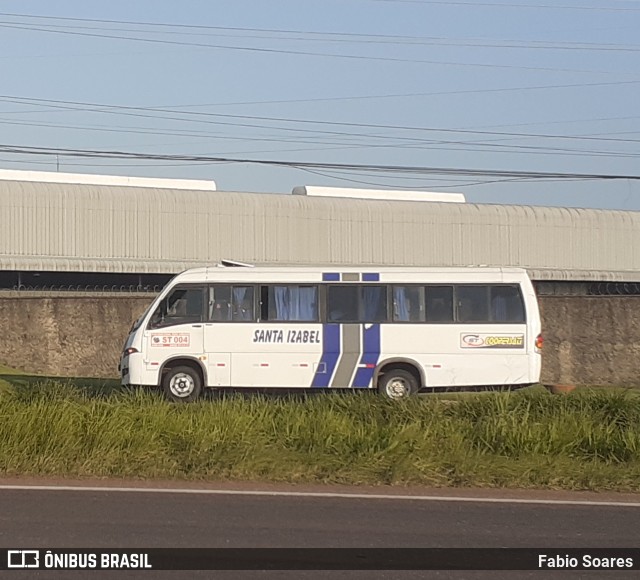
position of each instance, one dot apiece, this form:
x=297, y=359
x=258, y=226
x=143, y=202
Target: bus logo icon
x=472, y=340
x=23, y=558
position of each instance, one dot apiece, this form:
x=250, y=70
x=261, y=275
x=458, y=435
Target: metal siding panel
x=123, y=224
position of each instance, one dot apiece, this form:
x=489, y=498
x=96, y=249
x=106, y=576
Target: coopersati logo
x=156, y=339
x=492, y=340
x=23, y=558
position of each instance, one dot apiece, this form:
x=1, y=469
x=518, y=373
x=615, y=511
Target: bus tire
x=397, y=384
x=182, y=384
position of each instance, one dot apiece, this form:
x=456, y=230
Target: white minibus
x=397, y=330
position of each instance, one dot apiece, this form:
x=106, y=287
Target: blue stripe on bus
x=370, y=356
x=370, y=345
x=330, y=345
x=330, y=355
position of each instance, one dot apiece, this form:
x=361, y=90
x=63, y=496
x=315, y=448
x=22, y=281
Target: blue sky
x=522, y=85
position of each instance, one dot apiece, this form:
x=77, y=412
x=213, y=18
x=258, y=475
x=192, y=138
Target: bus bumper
x=133, y=371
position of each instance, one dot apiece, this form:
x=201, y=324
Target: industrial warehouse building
x=96, y=233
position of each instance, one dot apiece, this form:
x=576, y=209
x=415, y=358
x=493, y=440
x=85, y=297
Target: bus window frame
x=360, y=286
x=266, y=285
x=323, y=295
x=488, y=286
x=231, y=285
x=150, y=326
x=523, y=303
x=454, y=289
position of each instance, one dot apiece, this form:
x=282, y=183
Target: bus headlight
x=130, y=350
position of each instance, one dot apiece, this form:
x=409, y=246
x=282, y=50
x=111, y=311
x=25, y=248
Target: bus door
x=176, y=327
x=357, y=311
x=230, y=317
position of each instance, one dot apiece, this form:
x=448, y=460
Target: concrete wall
x=590, y=340
x=78, y=335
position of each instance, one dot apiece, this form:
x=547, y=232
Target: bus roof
x=260, y=270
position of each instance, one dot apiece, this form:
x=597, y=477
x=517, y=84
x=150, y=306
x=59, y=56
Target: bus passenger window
x=291, y=302
x=439, y=303
x=242, y=303
x=342, y=304
x=507, y=304
x=374, y=299
x=408, y=304
x=220, y=303
x=472, y=304
x=230, y=303
x=355, y=303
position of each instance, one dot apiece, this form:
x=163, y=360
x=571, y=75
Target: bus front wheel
x=397, y=384
x=182, y=384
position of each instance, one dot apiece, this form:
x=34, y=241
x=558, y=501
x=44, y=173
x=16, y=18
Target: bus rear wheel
x=397, y=384
x=182, y=384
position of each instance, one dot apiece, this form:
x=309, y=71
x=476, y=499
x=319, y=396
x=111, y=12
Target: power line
x=400, y=95
x=409, y=95
x=418, y=144
x=350, y=38
x=301, y=52
x=392, y=141
x=512, y=5
x=338, y=36
x=141, y=111
x=393, y=169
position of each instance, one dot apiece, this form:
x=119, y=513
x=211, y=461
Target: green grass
x=589, y=439
x=10, y=377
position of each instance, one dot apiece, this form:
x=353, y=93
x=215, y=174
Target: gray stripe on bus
x=350, y=277
x=350, y=355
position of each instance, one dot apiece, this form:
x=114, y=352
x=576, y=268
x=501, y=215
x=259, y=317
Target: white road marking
x=327, y=495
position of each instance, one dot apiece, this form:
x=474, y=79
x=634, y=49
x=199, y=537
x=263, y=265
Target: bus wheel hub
x=397, y=388
x=182, y=385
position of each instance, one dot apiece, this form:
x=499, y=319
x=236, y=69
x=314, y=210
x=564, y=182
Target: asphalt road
x=118, y=519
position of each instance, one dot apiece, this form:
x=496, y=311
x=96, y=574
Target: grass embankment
x=586, y=440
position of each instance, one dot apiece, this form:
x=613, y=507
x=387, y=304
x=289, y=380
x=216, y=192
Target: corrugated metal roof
x=101, y=228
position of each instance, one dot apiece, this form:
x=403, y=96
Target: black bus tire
x=182, y=384
x=397, y=384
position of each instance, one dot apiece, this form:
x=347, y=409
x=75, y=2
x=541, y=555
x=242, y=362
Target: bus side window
x=374, y=302
x=220, y=303
x=408, y=304
x=230, y=303
x=242, y=303
x=342, y=303
x=472, y=303
x=355, y=303
x=291, y=302
x=439, y=303
x=507, y=304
